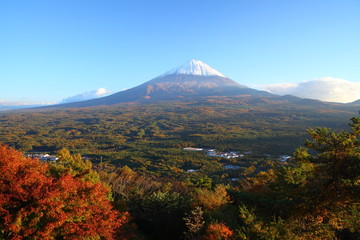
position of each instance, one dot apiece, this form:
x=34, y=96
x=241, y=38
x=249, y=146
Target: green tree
x=74, y=165
x=336, y=160
x=163, y=213
x=318, y=197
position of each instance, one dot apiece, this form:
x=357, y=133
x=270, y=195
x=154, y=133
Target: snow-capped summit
x=194, y=67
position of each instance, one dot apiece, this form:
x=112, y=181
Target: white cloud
x=101, y=92
x=325, y=89
x=9, y=103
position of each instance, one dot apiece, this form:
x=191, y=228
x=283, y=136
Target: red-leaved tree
x=35, y=205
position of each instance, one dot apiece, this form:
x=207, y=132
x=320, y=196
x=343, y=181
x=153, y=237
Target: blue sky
x=51, y=50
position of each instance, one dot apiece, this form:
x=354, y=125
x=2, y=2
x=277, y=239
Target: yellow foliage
x=211, y=199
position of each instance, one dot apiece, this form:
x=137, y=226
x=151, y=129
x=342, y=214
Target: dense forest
x=150, y=138
x=122, y=172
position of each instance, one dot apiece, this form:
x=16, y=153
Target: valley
x=150, y=138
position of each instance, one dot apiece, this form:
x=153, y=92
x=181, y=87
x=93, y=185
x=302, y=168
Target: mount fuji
x=192, y=79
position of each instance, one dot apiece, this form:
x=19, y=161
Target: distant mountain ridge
x=355, y=102
x=194, y=80
x=191, y=79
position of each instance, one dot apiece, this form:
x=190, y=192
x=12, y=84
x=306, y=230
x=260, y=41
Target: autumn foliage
x=36, y=205
x=218, y=231
x=211, y=199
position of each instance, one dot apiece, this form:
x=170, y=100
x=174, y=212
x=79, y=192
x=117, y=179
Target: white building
x=193, y=149
x=284, y=158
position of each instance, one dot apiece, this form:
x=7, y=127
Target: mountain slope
x=354, y=103
x=192, y=79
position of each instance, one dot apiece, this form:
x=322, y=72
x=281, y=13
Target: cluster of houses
x=213, y=153
x=43, y=157
x=231, y=154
